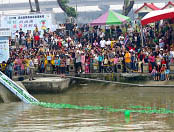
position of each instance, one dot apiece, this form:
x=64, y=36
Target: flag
x=126, y=39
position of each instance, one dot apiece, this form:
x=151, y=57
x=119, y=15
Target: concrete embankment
x=47, y=85
x=40, y=85
x=7, y=96
x=118, y=79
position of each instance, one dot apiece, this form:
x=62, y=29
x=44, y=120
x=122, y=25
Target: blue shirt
x=100, y=58
x=57, y=62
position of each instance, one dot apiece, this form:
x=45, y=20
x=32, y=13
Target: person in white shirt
x=101, y=34
x=102, y=43
x=68, y=61
x=17, y=34
x=121, y=39
x=130, y=30
x=108, y=43
x=36, y=63
x=172, y=52
x=31, y=66
x=79, y=45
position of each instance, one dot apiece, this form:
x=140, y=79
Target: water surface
x=20, y=117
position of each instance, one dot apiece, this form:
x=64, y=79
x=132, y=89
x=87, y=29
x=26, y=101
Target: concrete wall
x=41, y=85
x=7, y=96
x=47, y=85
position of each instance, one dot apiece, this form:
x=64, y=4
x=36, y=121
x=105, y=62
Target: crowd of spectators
x=85, y=49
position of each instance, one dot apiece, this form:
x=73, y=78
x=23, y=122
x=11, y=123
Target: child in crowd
x=23, y=68
x=154, y=74
x=116, y=59
x=68, y=61
x=86, y=67
x=167, y=71
x=42, y=67
x=158, y=69
x=139, y=65
x=57, y=64
x=163, y=68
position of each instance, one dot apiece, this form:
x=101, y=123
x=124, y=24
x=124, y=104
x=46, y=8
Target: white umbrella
x=157, y=16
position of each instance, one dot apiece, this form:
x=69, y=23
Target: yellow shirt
x=46, y=61
x=27, y=62
x=128, y=57
x=52, y=60
x=3, y=67
x=112, y=43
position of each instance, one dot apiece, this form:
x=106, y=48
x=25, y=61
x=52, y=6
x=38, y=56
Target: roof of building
x=149, y=5
x=169, y=3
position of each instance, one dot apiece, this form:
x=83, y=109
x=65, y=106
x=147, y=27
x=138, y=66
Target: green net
x=130, y=109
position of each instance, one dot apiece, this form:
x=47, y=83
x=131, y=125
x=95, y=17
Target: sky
x=18, y=1
x=26, y=1
x=138, y=3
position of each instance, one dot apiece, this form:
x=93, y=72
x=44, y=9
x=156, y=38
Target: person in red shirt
x=163, y=61
x=36, y=39
x=79, y=35
x=152, y=60
x=163, y=68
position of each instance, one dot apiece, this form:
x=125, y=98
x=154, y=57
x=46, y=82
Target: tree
x=37, y=6
x=31, y=8
x=70, y=11
x=127, y=7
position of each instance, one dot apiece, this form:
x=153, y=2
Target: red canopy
x=157, y=16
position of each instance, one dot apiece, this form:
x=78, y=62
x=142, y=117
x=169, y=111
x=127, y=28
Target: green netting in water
x=131, y=109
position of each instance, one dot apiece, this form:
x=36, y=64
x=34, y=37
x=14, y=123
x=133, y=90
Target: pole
x=76, y=13
x=142, y=41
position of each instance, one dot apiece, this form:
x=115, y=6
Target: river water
x=20, y=117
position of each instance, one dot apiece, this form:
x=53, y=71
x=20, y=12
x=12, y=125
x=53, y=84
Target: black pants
x=100, y=67
x=58, y=69
x=62, y=70
x=67, y=68
x=77, y=66
x=115, y=68
x=141, y=67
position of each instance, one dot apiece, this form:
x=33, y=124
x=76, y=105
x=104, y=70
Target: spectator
x=31, y=66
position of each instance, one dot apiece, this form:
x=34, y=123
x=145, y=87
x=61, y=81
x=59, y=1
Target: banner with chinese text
x=4, y=49
x=27, y=22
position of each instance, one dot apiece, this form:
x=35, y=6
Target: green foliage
x=70, y=11
x=128, y=5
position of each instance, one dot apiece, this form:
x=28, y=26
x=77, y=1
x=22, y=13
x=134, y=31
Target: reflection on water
x=19, y=117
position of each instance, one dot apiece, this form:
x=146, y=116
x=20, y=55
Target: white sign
x=27, y=22
x=4, y=49
x=5, y=32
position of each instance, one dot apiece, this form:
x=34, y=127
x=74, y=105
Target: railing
x=16, y=89
x=94, y=68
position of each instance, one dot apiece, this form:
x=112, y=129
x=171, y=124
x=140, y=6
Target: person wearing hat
x=3, y=67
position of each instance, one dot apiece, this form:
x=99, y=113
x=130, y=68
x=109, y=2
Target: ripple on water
x=19, y=117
